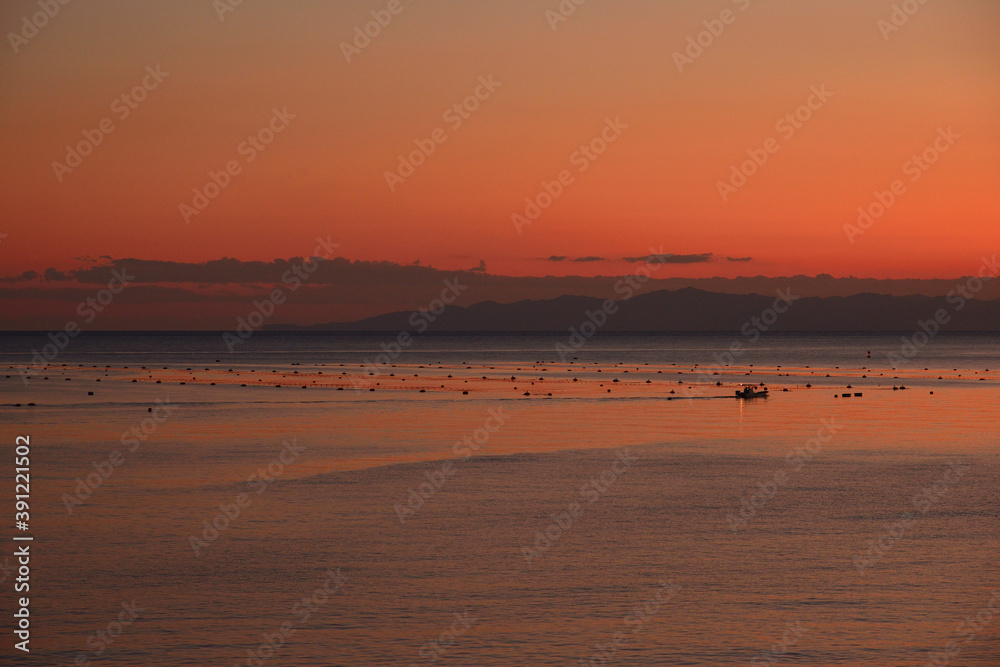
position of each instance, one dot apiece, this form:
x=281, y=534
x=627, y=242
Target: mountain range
x=692, y=310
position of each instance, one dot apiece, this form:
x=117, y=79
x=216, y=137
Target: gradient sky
x=655, y=186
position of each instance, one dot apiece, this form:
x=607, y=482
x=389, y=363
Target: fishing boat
x=751, y=391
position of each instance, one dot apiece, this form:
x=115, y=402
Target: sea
x=318, y=499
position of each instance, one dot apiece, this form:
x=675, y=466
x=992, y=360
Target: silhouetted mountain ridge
x=691, y=310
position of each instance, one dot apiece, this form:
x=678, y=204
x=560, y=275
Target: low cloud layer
x=211, y=295
x=565, y=258
x=670, y=258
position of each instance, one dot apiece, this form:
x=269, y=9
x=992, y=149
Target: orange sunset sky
x=892, y=88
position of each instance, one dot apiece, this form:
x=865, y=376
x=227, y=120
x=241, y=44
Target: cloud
x=233, y=271
x=27, y=275
x=563, y=258
x=212, y=295
x=140, y=294
x=739, y=259
x=670, y=258
x=347, y=274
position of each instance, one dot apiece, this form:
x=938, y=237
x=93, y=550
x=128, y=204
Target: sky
x=186, y=132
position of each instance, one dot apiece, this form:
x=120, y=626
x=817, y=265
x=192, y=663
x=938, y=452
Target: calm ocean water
x=590, y=522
